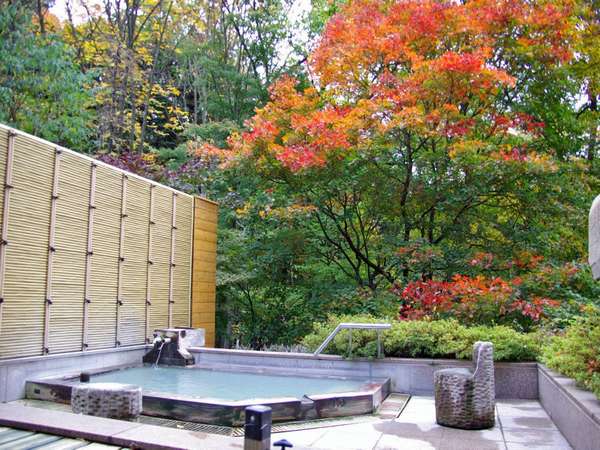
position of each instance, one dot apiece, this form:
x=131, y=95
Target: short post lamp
x=257, y=429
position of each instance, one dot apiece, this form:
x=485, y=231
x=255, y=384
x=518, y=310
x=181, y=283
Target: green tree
x=42, y=90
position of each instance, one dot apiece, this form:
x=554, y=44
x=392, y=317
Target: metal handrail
x=355, y=326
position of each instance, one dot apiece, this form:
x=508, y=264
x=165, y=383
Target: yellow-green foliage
x=576, y=354
x=427, y=339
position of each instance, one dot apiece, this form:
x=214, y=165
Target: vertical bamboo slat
x=89, y=253
x=172, y=256
x=51, y=249
x=149, y=263
x=121, y=258
x=5, y=214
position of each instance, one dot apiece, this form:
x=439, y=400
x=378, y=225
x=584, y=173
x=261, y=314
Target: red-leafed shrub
x=473, y=300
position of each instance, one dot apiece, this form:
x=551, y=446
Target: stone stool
x=464, y=398
x=113, y=400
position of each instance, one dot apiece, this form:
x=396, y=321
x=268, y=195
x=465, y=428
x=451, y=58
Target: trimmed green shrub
x=426, y=339
x=509, y=344
x=576, y=353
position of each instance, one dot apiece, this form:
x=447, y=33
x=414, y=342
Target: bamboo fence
x=93, y=257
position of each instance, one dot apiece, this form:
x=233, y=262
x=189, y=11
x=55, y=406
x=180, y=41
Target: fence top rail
x=89, y=158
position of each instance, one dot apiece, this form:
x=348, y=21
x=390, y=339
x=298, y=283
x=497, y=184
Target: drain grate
x=190, y=426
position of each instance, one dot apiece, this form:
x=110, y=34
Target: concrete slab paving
x=533, y=437
x=350, y=437
x=305, y=439
x=390, y=442
x=528, y=427
x=493, y=434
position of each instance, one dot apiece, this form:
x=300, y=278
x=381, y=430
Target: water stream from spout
x=159, y=352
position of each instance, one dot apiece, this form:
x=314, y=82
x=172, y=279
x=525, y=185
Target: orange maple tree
x=431, y=68
x=405, y=131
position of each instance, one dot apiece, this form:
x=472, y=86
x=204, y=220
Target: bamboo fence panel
x=183, y=261
x=27, y=249
x=132, y=316
x=68, y=277
x=160, y=256
x=204, y=267
x=105, y=260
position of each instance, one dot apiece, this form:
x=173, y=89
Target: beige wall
x=205, y=266
x=94, y=257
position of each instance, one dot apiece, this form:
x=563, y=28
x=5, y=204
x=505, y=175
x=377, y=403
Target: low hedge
x=426, y=339
x=576, y=353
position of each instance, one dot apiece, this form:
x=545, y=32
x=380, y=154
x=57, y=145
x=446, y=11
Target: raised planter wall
x=575, y=412
x=407, y=375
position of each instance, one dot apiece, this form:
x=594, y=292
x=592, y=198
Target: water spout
x=169, y=347
x=164, y=341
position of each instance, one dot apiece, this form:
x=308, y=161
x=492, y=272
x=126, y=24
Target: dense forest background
x=166, y=88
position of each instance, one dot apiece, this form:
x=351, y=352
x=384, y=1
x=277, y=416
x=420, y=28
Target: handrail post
x=327, y=340
x=350, y=326
x=349, y=342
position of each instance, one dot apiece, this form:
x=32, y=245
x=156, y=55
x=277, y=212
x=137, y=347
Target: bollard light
x=257, y=428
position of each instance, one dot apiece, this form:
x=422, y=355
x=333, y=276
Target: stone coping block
x=575, y=412
x=111, y=431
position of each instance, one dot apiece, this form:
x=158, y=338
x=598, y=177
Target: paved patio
x=521, y=424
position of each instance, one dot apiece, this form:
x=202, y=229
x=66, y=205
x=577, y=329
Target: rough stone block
x=112, y=400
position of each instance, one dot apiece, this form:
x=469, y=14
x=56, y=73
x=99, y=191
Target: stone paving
x=520, y=424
